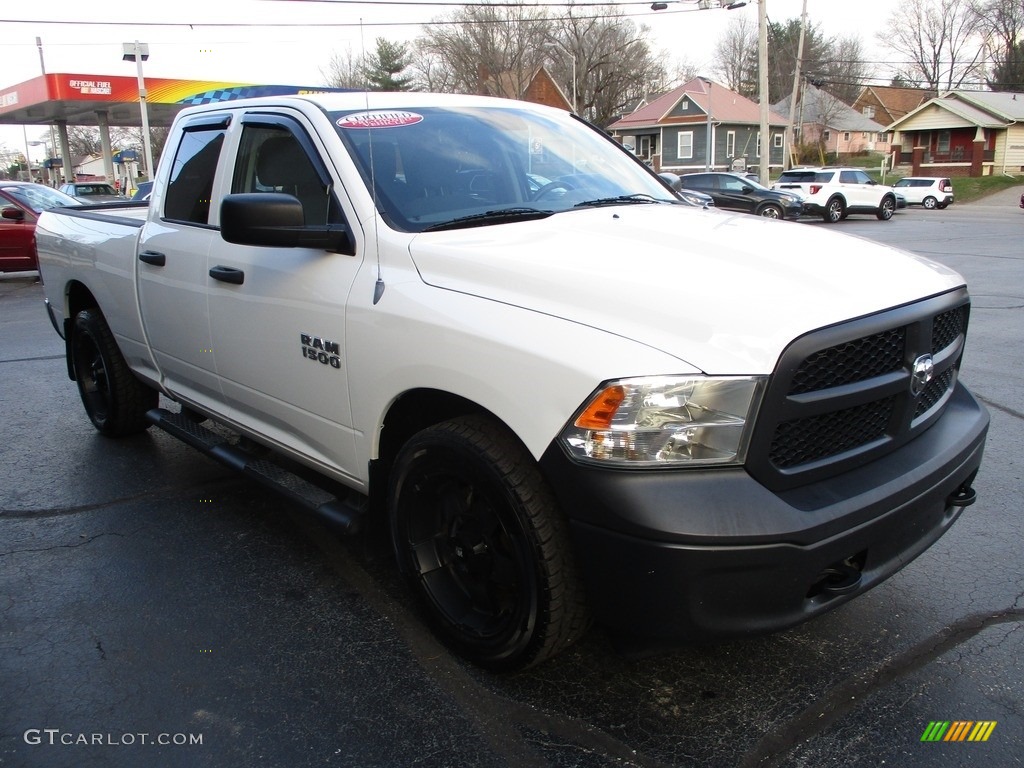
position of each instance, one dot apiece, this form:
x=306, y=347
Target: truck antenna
x=378, y=286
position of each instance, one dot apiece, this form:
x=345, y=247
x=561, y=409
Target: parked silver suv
x=835, y=193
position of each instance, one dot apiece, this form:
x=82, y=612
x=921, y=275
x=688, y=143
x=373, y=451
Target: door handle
x=227, y=274
x=155, y=258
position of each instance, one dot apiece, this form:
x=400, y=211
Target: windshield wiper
x=497, y=216
x=637, y=197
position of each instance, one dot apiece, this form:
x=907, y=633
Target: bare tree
x=345, y=70
x=501, y=48
x=940, y=40
x=1002, y=24
x=736, y=56
x=613, y=62
x=501, y=45
x=845, y=69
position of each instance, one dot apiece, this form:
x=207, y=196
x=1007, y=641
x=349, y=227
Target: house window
x=757, y=149
x=943, y=145
x=869, y=111
x=777, y=140
x=883, y=137
x=685, y=145
x=826, y=136
x=846, y=136
x=645, y=146
x=684, y=105
x=730, y=144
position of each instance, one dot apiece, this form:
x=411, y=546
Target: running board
x=344, y=514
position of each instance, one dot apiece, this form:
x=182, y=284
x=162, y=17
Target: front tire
x=835, y=211
x=886, y=208
x=771, y=212
x=479, y=539
x=115, y=401
x=930, y=203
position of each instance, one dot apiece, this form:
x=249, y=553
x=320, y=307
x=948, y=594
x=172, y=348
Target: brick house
x=885, y=104
x=537, y=87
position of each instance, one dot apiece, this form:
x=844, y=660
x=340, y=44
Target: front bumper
x=686, y=556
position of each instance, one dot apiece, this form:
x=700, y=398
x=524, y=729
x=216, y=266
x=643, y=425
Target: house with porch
x=701, y=125
x=963, y=133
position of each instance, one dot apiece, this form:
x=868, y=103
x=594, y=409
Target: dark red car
x=21, y=202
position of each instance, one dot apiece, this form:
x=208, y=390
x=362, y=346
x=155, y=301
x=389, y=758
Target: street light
x=139, y=52
x=710, y=145
x=702, y=5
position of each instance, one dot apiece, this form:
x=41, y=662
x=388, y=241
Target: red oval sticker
x=383, y=119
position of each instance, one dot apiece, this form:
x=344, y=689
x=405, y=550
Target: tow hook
x=963, y=496
x=839, y=579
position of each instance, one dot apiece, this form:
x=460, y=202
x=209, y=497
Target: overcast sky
x=237, y=40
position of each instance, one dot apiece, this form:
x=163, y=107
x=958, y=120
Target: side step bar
x=344, y=514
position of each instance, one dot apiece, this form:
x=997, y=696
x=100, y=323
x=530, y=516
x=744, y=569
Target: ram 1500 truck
x=571, y=396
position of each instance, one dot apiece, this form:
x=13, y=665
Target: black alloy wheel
x=115, y=401
x=479, y=539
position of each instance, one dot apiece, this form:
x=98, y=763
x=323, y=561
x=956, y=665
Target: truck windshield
x=442, y=168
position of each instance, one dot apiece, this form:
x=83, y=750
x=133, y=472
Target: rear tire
x=481, y=542
x=115, y=401
x=835, y=211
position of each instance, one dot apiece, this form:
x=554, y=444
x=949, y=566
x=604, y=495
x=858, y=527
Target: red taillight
x=945, y=187
x=814, y=188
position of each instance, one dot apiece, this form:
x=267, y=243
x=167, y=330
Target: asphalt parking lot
x=158, y=610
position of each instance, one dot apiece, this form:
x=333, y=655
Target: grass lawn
x=967, y=189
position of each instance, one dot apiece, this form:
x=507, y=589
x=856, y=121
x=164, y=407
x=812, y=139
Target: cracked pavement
x=146, y=590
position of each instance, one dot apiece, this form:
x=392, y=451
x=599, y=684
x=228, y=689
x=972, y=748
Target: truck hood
x=725, y=293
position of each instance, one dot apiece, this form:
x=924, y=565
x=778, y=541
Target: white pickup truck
x=571, y=396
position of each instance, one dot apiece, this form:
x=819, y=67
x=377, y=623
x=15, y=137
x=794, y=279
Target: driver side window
x=271, y=159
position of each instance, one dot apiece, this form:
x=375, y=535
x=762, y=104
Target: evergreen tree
x=385, y=65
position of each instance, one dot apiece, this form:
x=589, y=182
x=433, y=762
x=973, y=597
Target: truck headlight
x=666, y=422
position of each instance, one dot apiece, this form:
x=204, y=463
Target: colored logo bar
x=958, y=730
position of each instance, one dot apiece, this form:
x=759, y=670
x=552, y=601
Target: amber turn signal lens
x=601, y=410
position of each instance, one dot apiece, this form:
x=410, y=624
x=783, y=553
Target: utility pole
x=762, y=68
x=787, y=161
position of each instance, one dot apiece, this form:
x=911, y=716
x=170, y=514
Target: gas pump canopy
x=104, y=100
x=79, y=99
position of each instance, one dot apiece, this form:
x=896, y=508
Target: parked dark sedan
x=733, y=192
x=688, y=196
x=20, y=205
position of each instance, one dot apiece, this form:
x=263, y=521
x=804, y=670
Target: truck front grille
x=842, y=396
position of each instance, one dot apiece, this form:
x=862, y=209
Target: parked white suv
x=930, y=192
x=835, y=193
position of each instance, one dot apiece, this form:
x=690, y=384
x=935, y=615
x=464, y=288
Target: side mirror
x=13, y=213
x=272, y=219
x=747, y=189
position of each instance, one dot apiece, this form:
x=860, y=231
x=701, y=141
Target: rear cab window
x=190, y=186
